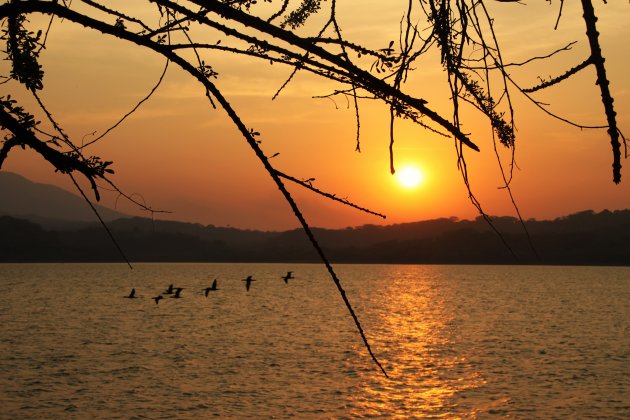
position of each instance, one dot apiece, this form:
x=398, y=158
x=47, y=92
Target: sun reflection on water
x=415, y=334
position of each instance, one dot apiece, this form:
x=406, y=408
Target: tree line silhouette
x=585, y=238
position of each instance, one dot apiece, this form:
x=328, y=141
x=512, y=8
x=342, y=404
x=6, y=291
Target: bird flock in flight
x=176, y=292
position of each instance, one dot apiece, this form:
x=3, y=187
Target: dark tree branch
x=602, y=81
x=65, y=163
x=364, y=79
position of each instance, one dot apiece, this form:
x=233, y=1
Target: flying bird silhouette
x=158, y=298
x=132, y=295
x=178, y=292
x=288, y=277
x=248, y=282
x=211, y=288
x=169, y=291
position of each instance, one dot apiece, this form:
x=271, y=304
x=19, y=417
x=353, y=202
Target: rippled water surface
x=457, y=342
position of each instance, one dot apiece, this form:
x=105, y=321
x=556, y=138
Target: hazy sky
x=181, y=155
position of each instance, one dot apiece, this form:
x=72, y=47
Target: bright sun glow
x=410, y=176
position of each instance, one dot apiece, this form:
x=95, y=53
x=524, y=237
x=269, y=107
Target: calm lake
x=457, y=342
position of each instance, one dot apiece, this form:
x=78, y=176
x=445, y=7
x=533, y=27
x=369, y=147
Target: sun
x=410, y=176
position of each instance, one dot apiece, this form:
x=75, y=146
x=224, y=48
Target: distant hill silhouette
x=46, y=204
x=585, y=238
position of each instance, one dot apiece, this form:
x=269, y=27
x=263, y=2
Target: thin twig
x=333, y=197
x=558, y=79
x=133, y=110
x=109, y=232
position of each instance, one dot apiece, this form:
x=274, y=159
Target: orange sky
x=185, y=157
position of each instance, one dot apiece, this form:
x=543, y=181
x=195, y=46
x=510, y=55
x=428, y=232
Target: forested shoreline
x=585, y=238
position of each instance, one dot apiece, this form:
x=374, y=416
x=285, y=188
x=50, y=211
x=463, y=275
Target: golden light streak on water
x=458, y=342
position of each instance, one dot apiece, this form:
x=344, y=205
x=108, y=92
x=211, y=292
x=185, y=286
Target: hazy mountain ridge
x=581, y=238
x=47, y=204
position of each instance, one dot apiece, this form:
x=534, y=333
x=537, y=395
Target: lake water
x=457, y=342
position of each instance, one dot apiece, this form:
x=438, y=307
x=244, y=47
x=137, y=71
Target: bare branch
x=558, y=79
x=308, y=185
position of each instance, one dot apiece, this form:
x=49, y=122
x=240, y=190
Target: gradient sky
x=181, y=155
